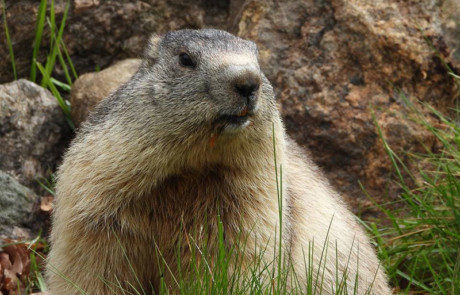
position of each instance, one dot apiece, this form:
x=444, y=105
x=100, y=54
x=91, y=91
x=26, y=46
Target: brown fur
x=142, y=175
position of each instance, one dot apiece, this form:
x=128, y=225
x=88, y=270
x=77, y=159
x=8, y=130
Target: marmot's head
x=199, y=97
x=207, y=81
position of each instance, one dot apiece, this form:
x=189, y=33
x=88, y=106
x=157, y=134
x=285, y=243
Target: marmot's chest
x=193, y=203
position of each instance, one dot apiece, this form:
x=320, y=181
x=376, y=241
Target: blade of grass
x=69, y=60
x=323, y=255
x=455, y=286
x=435, y=275
x=64, y=67
x=65, y=108
x=49, y=190
x=412, y=280
x=56, y=271
x=38, y=37
x=8, y=40
x=125, y=255
x=62, y=85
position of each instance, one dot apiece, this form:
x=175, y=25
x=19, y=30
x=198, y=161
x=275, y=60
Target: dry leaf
x=5, y=262
x=19, y=257
x=14, y=267
x=1, y=277
x=10, y=280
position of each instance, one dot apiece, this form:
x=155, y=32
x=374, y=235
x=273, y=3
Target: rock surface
x=334, y=64
x=33, y=132
x=17, y=205
x=91, y=88
x=337, y=64
x=450, y=25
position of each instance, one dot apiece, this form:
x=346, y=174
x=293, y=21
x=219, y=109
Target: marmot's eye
x=186, y=61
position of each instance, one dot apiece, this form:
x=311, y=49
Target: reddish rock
x=337, y=64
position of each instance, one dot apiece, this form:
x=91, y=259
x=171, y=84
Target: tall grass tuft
x=56, y=40
x=421, y=250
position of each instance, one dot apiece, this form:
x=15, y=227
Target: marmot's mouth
x=233, y=122
x=233, y=119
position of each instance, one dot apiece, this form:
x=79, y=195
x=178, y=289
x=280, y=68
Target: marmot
x=195, y=134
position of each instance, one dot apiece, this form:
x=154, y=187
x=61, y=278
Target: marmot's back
x=188, y=138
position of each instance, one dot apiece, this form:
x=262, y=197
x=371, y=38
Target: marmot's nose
x=247, y=89
x=246, y=85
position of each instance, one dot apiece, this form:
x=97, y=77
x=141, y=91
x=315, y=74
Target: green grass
x=65, y=106
x=421, y=250
x=220, y=271
x=38, y=37
x=56, y=48
x=56, y=40
x=36, y=281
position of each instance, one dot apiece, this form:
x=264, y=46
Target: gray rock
x=17, y=205
x=33, y=132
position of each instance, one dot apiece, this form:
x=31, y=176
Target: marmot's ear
x=153, y=47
